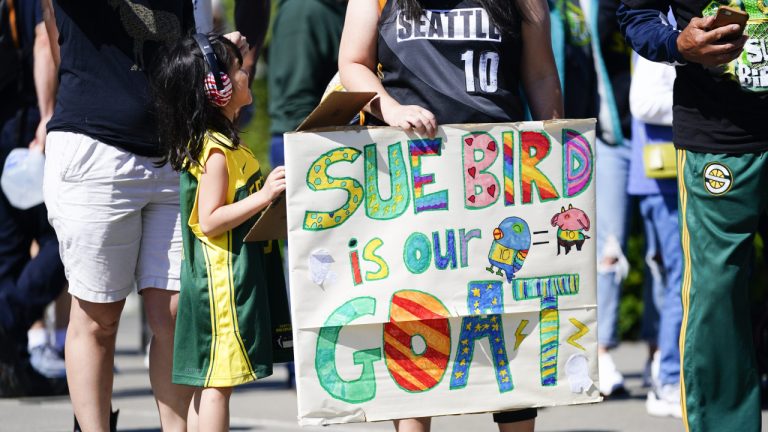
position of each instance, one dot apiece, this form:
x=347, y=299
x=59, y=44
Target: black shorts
x=515, y=416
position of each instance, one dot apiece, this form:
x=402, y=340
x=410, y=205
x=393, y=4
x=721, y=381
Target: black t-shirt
x=721, y=109
x=106, y=48
x=453, y=62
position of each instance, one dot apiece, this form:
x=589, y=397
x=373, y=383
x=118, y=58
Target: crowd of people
x=131, y=205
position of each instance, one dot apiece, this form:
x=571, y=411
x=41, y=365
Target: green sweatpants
x=721, y=200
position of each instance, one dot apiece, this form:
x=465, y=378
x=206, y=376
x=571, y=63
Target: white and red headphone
x=218, y=87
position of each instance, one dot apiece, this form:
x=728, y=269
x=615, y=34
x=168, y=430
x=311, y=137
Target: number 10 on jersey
x=487, y=71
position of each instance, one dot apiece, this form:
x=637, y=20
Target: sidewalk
x=269, y=406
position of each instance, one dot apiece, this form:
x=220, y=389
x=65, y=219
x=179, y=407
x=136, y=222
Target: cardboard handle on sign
x=272, y=224
x=337, y=109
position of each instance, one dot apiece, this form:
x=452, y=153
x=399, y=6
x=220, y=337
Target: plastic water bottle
x=22, y=179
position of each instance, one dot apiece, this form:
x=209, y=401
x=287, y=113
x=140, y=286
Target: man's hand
x=699, y=43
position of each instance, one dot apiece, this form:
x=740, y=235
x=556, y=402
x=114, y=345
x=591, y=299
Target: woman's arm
x=214, y=214
x=46, y=83
x=49, y=18
x=357, y=63
x=540, y=80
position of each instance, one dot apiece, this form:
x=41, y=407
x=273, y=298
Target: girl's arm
x=539, y=73
x=357, y=63
x=215, y=216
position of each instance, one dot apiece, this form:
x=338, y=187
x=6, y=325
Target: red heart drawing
x=468, y=141
x=492, y=146
x=472, y=171
x=471, y=199
x=492, y=190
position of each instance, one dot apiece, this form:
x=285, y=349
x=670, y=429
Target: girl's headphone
x=217, y=85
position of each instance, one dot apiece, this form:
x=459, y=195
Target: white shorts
x=116, y=216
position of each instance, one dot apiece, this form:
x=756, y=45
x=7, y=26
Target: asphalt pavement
x=269, y=405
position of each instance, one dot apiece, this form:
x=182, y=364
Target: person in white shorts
x=112, y=202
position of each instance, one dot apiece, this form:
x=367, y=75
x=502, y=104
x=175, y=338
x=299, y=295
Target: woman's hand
x=239, y=40
x=357, y=63
x=274, y=185
x=408, y=117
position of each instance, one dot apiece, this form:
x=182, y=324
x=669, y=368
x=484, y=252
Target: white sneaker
x=611, y=379
x=652, y=371
x=47, y=361
x=664, y=402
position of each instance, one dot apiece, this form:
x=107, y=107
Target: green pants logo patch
x=717, y=178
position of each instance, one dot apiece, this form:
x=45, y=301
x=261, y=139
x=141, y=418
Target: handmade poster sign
x=442, y=276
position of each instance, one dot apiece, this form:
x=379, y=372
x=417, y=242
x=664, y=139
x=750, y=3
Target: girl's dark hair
x=184, y=114
x=504, y=13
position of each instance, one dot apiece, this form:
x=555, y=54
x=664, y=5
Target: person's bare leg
x=193, y=417
x=214, y=409
x=90, y=357
x=421, y=424
x=521, y=426
x=62, y=307
x=172, y=399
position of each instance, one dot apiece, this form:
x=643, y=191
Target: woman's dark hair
x=184, y=114
x=504, y=13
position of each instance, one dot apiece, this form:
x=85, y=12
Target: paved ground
x=269, y=406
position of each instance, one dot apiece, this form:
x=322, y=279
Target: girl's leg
x=193, y=417
x=521, y=426
x=172, y=399
x=214, y=409
x=421, y=424
x=62, y=308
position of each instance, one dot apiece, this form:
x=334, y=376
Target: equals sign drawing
x=541, y=232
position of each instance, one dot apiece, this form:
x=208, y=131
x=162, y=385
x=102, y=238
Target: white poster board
x=442, y=276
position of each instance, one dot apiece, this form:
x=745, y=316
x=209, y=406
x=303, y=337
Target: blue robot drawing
x=511, y=241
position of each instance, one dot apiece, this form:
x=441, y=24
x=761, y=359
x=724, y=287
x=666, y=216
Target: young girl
x=452, y=61
x=227, y=319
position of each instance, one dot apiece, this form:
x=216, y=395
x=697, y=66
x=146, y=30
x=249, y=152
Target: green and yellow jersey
x=233, y=320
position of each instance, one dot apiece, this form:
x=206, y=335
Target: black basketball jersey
x=452, y=61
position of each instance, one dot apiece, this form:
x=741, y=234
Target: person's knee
x=217, y=394
x=612, y=260
x=98, y=319
x=160, y=307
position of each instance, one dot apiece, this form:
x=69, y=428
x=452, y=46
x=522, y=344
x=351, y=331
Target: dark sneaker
x=112, y=421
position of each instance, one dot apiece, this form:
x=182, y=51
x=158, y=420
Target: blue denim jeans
x=663, y=312
x=277, y=150
x=613, y=204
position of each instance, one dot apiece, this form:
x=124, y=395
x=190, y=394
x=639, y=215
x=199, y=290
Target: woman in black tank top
x=452, y=61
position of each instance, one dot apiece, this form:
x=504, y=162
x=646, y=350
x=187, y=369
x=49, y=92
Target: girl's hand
x=274, y=185
x=409, y=117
